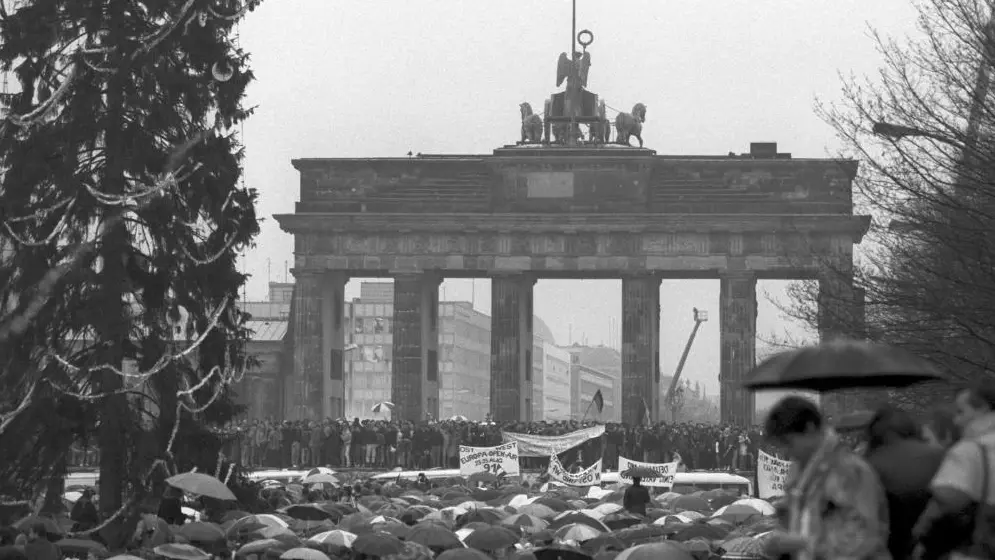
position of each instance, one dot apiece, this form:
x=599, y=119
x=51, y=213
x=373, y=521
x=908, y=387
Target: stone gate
x=562, y=204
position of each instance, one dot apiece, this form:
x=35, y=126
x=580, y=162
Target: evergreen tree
x=122, y=214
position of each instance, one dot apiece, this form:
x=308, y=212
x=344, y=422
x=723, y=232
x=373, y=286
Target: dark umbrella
x=555, y=504
x=723, y=500
x=200, y=532
x=491, y=538
x=435, y=537
x=377, y=544
x=604, y=542
x=308, y=512
x=463, y=554
x=560, y=553
x=691, y=503
x=841, y=364
x=641, y=472
x=398, y=530
x=621, y=520
x=49, y=525
x=700, y=531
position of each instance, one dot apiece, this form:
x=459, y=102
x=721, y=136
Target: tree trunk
x=113, y=331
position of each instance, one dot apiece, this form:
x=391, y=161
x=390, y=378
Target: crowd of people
x=902, y=489
x=383, y=444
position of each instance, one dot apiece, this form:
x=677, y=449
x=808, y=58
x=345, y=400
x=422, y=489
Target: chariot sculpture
x=564, y=113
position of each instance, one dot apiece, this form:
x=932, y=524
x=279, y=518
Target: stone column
x=333, y=330
x=511, y=347
x=415, y=347
x=738, y=345
x=640, y=348
x=836, y=319
x=306, y=322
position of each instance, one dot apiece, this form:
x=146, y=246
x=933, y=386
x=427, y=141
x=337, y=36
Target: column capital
x=640, y=274
x=524, y=277
x=420, y=275
x=737, y=274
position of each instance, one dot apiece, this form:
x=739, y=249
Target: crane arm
x=684, y=358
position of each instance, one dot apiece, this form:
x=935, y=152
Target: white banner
x=666, y=470
x=591, y=476
x=501, y=460
x=772, y=473
x=543, y=446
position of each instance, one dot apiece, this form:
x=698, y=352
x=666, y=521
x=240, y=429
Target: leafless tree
x=922, y=131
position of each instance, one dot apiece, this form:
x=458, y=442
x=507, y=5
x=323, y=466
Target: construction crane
x=700, y=317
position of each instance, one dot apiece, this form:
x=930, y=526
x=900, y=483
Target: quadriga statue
x=630, y=124
x=531, y=125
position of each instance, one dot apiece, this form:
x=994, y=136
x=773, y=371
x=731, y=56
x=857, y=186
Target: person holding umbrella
x=836, y=504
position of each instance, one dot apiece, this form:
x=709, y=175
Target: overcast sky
x=368, y=78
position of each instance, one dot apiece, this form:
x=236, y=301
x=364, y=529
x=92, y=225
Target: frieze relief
x=576, y=244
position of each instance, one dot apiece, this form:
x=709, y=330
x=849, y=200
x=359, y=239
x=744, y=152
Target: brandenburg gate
x=563, y=202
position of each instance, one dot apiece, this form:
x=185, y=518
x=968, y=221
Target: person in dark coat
x=170, y=508
x=905, y=464
x=636, y=497
x=84, y=513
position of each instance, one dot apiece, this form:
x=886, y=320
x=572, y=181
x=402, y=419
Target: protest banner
x=501, y=460
x=666, y=470
x=772, y=473
x=530, y=445
x=591, y=476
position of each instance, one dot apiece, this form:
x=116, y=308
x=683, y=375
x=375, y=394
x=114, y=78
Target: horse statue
x=531, y=125
x=630, y=124
x=601, y=130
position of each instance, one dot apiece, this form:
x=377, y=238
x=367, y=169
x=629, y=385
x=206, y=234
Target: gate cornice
x=856, y=226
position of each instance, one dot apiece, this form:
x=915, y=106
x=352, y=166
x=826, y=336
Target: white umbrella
x=458, y=418
x=382, y=407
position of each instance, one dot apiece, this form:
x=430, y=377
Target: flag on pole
x=599, y=401
x=645, y=418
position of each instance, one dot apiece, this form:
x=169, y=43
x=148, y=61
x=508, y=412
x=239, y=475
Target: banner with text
x=530, y=445
x=772, y=473
x=591, y=476
x=501, y=460
x=666, y=470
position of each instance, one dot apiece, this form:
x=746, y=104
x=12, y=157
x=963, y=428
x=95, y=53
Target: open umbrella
x=321, y=478
x=308, y=512
x=47, y=524
x=377, y=544
x=655, y=551
x=178, y=551
x=577, y=533
x=491, y=538
x=302, y=553
x=382, y=407
x=434, y=536
x=202, y=485
x=199, y=532
x=463, y=554
x=641, y=472
x=841, y=364
x=337, y=538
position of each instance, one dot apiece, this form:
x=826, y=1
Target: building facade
x=585, y=382
x=464, y=354
x=556, y=397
